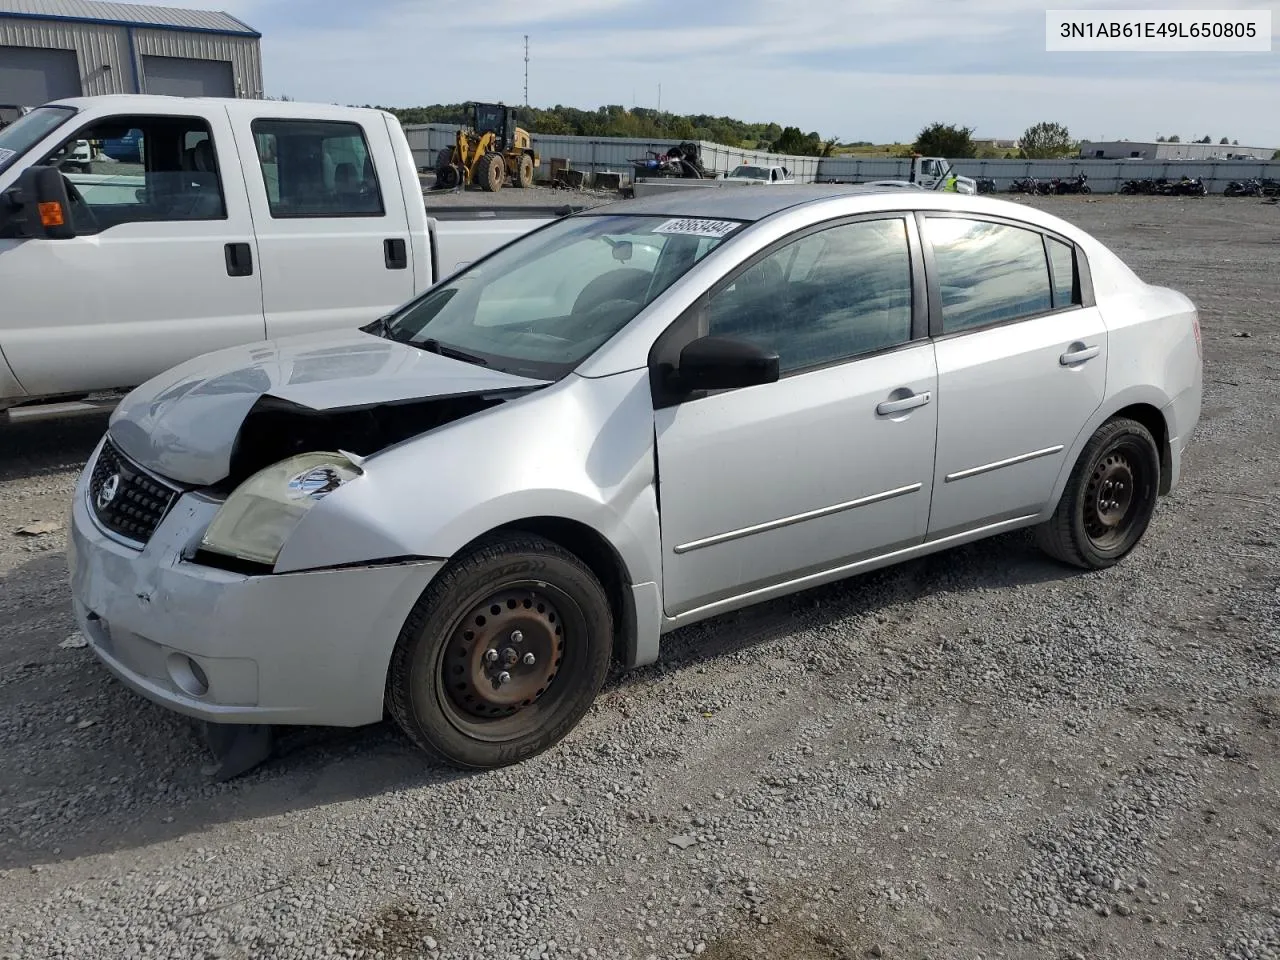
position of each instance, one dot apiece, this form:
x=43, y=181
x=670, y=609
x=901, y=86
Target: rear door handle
x=1072, y=357
x=395, y=253
x=906, y=403
x=239, y=260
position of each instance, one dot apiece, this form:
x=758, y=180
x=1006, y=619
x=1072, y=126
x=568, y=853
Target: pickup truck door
x=162, y=268
x=330, y=216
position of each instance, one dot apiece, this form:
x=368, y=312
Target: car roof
x=735, y=203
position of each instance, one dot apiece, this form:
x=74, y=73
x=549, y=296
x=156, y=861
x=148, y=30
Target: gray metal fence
x=615, y=155
x=1105, y=176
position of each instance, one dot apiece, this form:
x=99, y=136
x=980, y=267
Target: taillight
x=1195, y=325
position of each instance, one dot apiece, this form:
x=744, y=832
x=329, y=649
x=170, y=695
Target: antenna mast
x=526, y=69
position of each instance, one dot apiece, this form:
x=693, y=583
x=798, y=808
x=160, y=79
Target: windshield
x=541, y=305
x=754, y=173
x=21, y=135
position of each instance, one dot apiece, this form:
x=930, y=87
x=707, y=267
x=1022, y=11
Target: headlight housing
x=262, y=512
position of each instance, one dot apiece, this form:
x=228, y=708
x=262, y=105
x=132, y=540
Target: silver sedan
x=629, y=420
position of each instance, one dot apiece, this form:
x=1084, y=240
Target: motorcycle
x=1244, y=188
x=1077, y=184
x=986, y=185
x=1028, y=185
x=1188, y=187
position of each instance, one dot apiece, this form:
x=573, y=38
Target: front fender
x=581, y=451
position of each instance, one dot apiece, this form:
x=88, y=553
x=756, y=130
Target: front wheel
x=1109, y=499
x=1085, y=188
x=502, y=655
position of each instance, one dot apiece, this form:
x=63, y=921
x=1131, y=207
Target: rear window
x=317, y=168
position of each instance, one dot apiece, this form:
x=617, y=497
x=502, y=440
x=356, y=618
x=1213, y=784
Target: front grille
x=125, y=499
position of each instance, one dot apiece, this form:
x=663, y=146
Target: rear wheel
x=491, y=172
x=502, y=655
x=446, y=173
x=1109, y=499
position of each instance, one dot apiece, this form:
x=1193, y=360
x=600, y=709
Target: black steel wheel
x=1109, y=499
x=502, y=655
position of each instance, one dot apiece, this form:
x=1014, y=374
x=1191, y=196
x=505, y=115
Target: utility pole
x=526, y=70
x=659, y=98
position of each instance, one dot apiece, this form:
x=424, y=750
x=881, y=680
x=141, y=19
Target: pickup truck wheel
x=1109, y=499
x=502, y=655
x=524, y=176
x=491, y=171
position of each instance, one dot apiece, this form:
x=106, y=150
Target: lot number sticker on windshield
x=6, y=153
x=698, y=228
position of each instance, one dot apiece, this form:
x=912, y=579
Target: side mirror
x=38, y=206
x=723, y=363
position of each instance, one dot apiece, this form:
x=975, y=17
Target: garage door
x=30, y=77
x=181, y=77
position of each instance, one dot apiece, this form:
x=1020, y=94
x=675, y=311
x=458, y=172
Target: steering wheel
x=81, y=213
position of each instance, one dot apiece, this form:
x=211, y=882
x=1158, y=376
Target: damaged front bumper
x=297, y=648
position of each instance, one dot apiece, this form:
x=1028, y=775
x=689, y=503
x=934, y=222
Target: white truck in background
x=243, y=220
x=931, y=173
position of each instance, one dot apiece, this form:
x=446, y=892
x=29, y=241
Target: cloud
x=860, y=69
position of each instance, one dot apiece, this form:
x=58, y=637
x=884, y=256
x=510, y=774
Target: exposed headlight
x=263, y=511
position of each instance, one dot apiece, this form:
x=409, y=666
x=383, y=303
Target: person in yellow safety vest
x=950, y=183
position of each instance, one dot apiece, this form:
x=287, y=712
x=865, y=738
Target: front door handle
x=906, y=403
x=1079, y=355
x=239, y=260
x=395, y=253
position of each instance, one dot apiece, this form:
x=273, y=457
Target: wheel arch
x=1144, y=405
x=601, y=557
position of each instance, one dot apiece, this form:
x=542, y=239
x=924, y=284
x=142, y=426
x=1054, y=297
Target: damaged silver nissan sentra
x=628, y=420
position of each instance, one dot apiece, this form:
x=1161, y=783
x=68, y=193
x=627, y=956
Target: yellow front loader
x=489, y=152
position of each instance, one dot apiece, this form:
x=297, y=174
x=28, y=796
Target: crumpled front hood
x=183, y=424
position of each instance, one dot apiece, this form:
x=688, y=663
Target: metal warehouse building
x=51, y=49
x=1141, y=150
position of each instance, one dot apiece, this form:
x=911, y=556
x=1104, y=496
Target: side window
x=141, y=169
x=1062, y=263
x=988, y=272
x=828, y=296
x=317, y=168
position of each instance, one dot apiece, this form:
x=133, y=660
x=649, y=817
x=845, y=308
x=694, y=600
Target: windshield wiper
x=432, y=345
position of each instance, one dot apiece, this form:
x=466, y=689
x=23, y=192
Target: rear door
x=329, y=213
x=161, y=268
x=1022, y=365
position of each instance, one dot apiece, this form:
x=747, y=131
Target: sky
x=876, y=70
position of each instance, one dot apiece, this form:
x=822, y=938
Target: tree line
x=1040, y=141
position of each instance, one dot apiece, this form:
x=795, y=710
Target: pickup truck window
x=541, y=305
x=317, y=168
x=28, y=130
x=174, y=176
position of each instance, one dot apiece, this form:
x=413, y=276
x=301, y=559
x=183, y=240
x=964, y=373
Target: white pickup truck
x=754, y=173
x=241, y=221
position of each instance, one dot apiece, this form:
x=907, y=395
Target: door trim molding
x=1000, y=464
x=760, y=594
x=795, y=518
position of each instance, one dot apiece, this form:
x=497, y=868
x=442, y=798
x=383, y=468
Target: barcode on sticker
x=6, y=153
x=698, y=228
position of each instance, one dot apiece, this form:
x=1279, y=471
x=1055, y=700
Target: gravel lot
x=976, y=754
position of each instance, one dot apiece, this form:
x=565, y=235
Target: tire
x=1086, y=189
x=524, y=175
x=491, y=172
x=442, y=688
x=1082, y=533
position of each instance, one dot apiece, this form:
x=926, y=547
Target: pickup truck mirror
x=38, y=207
x=723, y=363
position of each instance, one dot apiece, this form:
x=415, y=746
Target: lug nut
x=504, y=677
x=530, y=659
x=491, y=655
x=517, y=636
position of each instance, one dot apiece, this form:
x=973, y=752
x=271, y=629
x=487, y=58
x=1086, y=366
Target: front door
x=330, y=216
x=147, y=281
x=831, y=463
x=1022, y=365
